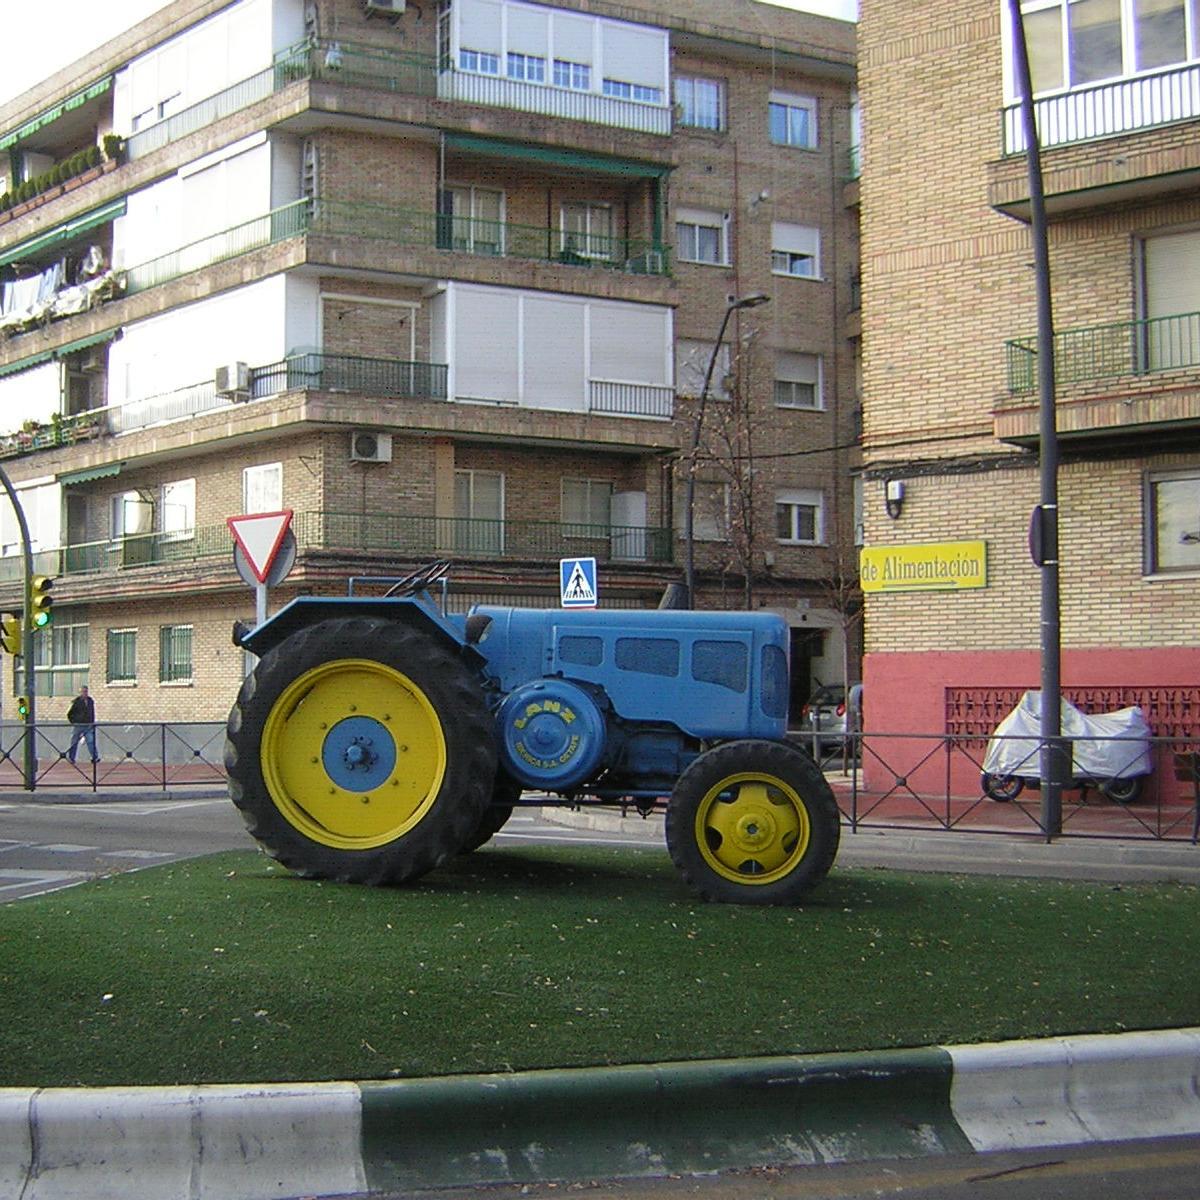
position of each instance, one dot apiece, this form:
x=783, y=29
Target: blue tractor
x=377, y=737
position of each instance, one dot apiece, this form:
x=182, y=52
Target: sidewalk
x=1109, y=860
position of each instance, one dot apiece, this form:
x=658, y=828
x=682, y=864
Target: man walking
x=82, y=714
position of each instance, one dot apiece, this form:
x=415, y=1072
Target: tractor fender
x=311, y=610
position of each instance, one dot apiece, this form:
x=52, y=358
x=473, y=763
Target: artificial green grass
x=228, y=969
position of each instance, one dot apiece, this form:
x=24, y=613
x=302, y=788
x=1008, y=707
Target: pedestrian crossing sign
x=577, y=582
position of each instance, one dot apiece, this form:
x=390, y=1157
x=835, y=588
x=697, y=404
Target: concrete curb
x=272, y=1142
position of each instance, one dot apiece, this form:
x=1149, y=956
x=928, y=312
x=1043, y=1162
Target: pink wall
x=905, y=693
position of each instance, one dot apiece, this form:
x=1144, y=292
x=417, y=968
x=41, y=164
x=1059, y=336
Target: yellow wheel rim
x=353, y=754
x=752, y=829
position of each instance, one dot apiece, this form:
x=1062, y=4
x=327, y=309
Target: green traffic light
x=40, y=619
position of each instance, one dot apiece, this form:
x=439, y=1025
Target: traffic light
x=42, y=603
x=10, y=634
x=22, y=707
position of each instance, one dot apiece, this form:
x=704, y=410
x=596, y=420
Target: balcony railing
x=390, y=377
x=554, y=101
x=403, y=535
x=630, y=399
x=1120, y=106
x=494, y=239
x=341, y=62
x=275, y=226
x=1109, y=351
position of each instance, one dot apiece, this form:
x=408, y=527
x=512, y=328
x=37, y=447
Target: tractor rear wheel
x=505, y=794
x=753, y=822
x=360, y=750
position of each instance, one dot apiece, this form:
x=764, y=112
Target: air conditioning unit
x=232, y=379
x=368, y=447
x=391, y=7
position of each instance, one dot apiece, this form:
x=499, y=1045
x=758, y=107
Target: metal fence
x=914, y=782
x=148, y=755
x=935, y=782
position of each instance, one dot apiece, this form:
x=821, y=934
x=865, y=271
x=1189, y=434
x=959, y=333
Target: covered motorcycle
x=1110, y=751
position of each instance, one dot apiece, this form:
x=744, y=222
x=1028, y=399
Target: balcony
x=1101, y=352
x=1111, y=381
x=596, y=109
x=1104, y=144
x=275, y=226
x=404, y=536
x=345, y=63
x=491, y=239
x=1119, y=106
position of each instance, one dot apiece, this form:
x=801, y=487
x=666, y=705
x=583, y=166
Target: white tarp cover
x=1112, y=745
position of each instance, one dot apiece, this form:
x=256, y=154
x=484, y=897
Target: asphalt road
x=1164, y=1169
x=46, y=846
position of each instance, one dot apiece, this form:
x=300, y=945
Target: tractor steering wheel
x=419, y=579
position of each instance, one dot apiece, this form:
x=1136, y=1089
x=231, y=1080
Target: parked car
x=829, y=716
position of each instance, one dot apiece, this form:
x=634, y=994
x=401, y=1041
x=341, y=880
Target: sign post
x=264, y=552
x=577, y=582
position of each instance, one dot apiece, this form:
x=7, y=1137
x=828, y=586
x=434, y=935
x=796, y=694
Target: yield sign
x=260, y=536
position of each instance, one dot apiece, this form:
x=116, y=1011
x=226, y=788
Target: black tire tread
x=778, y=759
x=456, y=695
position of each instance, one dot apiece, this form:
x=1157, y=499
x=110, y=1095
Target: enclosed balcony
x=1126, y=377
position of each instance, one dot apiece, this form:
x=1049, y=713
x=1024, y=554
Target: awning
x=557, y=156
x=106, y=471
x=64, y=232
x=36, y=360
x=52, y=114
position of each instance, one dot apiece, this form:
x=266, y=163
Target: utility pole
x=1044, y=525
x=30, y=755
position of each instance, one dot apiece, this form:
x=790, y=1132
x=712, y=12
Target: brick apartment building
x=950, y=400
x=443, y=280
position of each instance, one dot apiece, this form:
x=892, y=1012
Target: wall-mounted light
x=893, y=497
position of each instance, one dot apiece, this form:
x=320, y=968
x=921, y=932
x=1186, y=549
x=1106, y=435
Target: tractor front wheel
x=753, y=822
x=359, y=750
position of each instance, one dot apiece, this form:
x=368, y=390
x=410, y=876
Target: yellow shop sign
x=931, y=567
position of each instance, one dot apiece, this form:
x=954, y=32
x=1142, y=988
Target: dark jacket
x=82, y=711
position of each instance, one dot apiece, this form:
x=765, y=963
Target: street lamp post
x=689, y=509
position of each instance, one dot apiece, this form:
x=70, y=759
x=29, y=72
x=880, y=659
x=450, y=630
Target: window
x=1171, y=269
x=574, y=75
x=175, y=654
x=797, y=380
x=691, y=363
x=132, y=513
x=648, y=656
x=701, y=102
x=526, y=66
x=632, y=91
x=1073, y=43
x=479, y=61
x=471, y=219
x=61, y=661
x=1173, y=522
x=122, y=656
x=800, y=516
x=726, y=664
x=479, y=509
x=587, y=230
x=262, y=488
x=792, y=120
x=795, y=250
x=179, y=510
x=710, y=517
x=587, y=507
x=860, y=528
x=702, y=236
